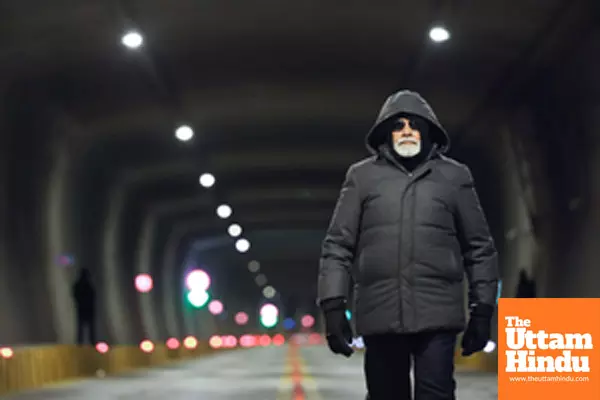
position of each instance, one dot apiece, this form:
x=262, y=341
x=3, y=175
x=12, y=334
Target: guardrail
x=35, y=367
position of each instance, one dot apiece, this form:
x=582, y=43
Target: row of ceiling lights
x=242, y=245
x=185, y=133
x=134, y=40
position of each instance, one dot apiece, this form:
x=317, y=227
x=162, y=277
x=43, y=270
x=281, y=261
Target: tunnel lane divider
x=296, y=382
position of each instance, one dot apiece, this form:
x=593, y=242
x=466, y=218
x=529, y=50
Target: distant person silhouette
x=526, y=287
x=84, y=295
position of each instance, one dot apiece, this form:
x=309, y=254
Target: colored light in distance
x=278, y=340
x=172, y=343
x=315, y=338
x=6, y=353
x=198, y=298
x=241, y=318
x=197, y=280
x=215, y=342
x=307, y=321
x=268, y=320
x=229, y=341
x=147, y=346
x=143, y=283
x=269, y=309
x=190, y=342
x=248, y=341
x=215, y=307
x=348, y=315
x=289, y=324
x=102, y=348
x=265, y=340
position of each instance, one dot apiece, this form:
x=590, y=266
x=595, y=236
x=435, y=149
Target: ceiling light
x=242, y=245
x=132, y=39
x=253, y=266
x=269, y=292
x=439, y=34
x=184, y=133
x=207, y=180
x=234, y=230
x=224, y=211
x=261, y=280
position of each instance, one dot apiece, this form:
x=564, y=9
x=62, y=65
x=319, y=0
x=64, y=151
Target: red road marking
x=298, y=391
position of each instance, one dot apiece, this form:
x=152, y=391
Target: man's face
x=406, y=139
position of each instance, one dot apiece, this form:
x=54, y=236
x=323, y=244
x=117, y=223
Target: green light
x=348, y=315
x=198, y=298
x=268, y=321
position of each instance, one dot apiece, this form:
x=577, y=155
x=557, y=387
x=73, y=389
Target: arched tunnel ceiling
x=279, y=99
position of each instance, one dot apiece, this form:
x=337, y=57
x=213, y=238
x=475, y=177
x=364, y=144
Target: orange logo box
x=548, y=349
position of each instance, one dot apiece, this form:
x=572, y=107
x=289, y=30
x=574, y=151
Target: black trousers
x=84, y=322
x=388, y=361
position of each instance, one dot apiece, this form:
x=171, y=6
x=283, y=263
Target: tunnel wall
x=550, y=146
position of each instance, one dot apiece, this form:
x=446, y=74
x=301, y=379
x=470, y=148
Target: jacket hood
x=406, y=102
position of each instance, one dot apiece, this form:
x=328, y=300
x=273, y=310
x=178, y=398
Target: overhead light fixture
x=207, y=180
x=242, y=245
x=184, y=133
x=224, y=211
x=261, y=280
x=132, y=39
x=439, y=34
x=269, y=292
x=234, y=230
x=253, y=266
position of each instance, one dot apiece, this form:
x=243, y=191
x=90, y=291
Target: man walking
x=407, y=228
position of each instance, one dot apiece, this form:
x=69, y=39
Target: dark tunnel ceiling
x=279, y=95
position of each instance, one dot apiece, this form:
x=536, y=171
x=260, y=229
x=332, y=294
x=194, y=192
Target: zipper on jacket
x=412, y=253
x=399, y=272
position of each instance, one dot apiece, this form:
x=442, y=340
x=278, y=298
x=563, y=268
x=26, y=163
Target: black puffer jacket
x=408, y=239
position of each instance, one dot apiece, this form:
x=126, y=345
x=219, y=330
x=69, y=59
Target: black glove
x=337, y=327
x=479, y=329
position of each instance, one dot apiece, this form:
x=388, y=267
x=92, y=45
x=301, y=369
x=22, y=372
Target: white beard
x=407, y=150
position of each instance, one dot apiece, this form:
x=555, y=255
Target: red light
x=215, y=342
x=102, y=348
x=241, y=318
x=215, y=307
x=307, y=321
x=278, y=340
x=6, y=353
x=172, y=344
x=314, y=338
x=144, y=283
x=147, y=346
x=247, y=341
x=265, y=340
x=229, y=341
x=190, y=343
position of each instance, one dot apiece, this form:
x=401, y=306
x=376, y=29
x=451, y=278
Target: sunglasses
x=414, y=123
